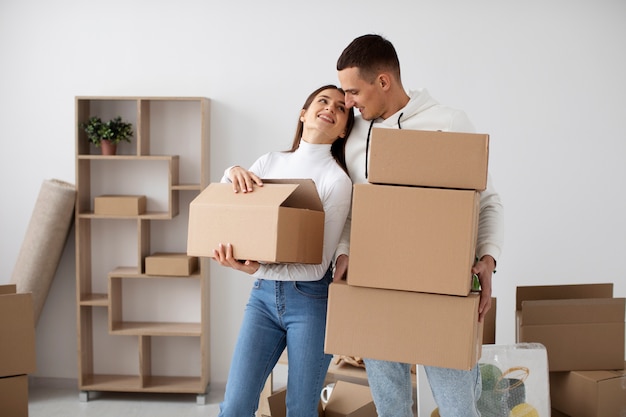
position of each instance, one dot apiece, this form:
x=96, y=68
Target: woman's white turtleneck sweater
x=334, y=187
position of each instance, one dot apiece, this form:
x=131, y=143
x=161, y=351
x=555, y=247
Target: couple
x=287, y=305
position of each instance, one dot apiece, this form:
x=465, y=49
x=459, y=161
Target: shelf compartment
x=154, y=291
x=132, y=383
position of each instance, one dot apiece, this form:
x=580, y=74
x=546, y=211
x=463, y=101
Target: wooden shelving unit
x=168, y=162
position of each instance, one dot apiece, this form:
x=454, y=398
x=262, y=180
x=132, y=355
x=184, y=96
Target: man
x=369, y=73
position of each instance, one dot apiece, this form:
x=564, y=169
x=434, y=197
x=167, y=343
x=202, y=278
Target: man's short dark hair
x=371, y=54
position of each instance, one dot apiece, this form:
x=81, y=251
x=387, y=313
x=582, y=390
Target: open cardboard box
x=413, y=238
x=283, y=221
x=589, y=393
x=403, y=326
x=347, y=400
x=581, y=326
x=429, y=158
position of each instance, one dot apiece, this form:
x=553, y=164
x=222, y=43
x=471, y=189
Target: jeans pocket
x=312, y=289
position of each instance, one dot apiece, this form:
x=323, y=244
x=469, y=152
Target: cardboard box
x=413, y=238
x=403, y=326
x=279, y=409
x=429, y=158
x=489, y=326
x=120, y=205
x=283, y=221
x=350, y=400
x=589, y=393
x=17, y=332
x=581, y=326
x=14, y=396
x=347, y=400
x=171, y=264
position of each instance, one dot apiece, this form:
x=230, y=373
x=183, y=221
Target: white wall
x=544, y=79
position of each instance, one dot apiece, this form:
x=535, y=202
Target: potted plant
x=107, y=134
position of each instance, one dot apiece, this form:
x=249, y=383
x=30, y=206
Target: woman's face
x=326, y=118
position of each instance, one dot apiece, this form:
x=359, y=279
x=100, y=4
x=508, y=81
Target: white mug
x=326, y=391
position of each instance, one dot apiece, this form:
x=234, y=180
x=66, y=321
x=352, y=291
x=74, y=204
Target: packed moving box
x=17, y=350
x=403, y=326
x=171, y=264
x=17, y=332
x=581, y=326
x=589, y=393
x=429, y=158
x=120, y=205
x=413, y=238
x=283, y=221
x=14, y=396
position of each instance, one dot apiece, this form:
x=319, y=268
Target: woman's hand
x=243, y=180
x=224, y=256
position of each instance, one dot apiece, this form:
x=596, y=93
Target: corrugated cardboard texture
x=581, y=326
x=14, y=396
x=413, y=239
x=17, y=333
x=429, y=158
x=589, y=393
x=283, y=221
x=120, y=205
x=403, y=326
x=171, y=264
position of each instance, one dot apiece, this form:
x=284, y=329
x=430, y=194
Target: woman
x=287, y=305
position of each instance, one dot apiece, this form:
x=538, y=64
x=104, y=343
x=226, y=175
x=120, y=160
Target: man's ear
x=384, y=80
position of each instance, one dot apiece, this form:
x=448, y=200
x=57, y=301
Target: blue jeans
x=279, y=315
x=456, y=392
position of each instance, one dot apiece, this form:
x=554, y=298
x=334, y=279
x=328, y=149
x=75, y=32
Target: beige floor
x=62, y=399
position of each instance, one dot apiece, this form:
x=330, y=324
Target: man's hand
x=243, y=180
x=224, y=256
x=484, y=269
x=341, y=268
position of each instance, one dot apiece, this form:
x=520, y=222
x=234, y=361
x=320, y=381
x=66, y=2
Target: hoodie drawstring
x=367, y=143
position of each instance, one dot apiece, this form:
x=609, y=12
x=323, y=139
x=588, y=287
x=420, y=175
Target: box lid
x=296, y=193
x=589, y=310
x=562, y=292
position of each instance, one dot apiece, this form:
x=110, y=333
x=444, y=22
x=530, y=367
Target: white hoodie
x=422, y=112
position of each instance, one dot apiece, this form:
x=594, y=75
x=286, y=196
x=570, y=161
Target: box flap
x=589, y=310
x=305, y=196
x=561, y=292
x=221, y=194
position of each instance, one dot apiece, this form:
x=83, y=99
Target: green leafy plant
x=115, y=130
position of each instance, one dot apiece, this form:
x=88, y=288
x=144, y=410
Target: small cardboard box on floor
x=283, y=221
x=429, y=158
x=403, y=326
x=589, y=393
x=581, y=326
x=347, y=400
x=413, y=238
x=171, y=264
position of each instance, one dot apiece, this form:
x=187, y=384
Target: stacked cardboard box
x=582, y=327
x=413, y=239
x=17, y=350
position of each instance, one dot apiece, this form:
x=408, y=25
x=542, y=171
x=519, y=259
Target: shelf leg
x=83, y=396
x=201, y=399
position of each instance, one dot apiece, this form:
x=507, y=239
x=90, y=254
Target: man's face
x=366, y=96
